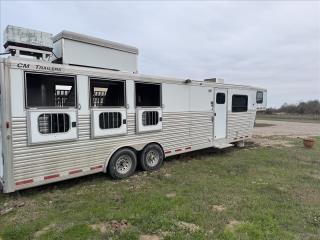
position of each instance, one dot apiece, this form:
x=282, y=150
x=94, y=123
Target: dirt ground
x=282, y=128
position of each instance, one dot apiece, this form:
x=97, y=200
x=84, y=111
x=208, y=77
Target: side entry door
x=220, y=113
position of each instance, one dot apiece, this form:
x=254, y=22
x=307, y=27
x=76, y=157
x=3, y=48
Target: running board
x=222, y=145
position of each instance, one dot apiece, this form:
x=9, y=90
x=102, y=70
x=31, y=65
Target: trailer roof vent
x=214, y=80
x=27, y=42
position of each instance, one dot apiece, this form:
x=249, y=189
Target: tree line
x=310, y=107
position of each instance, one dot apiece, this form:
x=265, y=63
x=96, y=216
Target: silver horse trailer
x=73, y=105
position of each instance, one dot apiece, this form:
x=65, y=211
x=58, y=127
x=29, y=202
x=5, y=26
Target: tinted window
x=107, y=93
x=148, y=95
x=45, y=90
x=259, y=97
x=221, y=98
x=239, y=103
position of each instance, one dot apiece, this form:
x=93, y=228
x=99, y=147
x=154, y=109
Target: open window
x=239, y=103
x=50, y=91
x=51, y=102
x=108, y=112
x=107, y=93
x=148, y=95
x=148, y=103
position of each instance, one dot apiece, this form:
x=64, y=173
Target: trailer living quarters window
x=148, y=103
x=107, y=102
x=259, y=97
x=239, y=103
x=51, y=102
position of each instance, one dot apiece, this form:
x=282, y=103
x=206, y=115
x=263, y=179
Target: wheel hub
x=153, y=158
x=123, y=164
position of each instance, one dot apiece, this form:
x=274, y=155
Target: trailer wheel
x=122, y=164
x=151, y=157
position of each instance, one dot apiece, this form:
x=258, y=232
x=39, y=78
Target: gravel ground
x=282, y=128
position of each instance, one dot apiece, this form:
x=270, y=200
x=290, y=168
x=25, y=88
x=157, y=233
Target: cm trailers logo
x=38, y=67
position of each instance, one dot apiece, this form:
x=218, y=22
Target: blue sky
x=272, y=44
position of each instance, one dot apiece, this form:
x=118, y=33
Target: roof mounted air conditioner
x=27, y=42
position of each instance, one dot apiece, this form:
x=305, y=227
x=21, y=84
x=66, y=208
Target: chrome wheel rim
x=123, y=164
x=153, y=158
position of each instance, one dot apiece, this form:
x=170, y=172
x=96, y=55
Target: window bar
x=50, y=123
x=58, y=129
x=104, y=120
x=64, y=122
x=113, y=118
x=117, y=122
x=152, y=118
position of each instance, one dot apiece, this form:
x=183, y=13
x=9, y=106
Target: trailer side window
x=53, y=123
x=109, y=120
x=45, y=90
x=148, y=95
x=150, y=118
x=259, y=97
x=107, y=93
x=221, y=98
x=239, y=103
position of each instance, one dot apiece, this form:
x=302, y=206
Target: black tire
x=153, y=151
x=122, y=164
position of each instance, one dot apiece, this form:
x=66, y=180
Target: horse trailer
x=73, y=105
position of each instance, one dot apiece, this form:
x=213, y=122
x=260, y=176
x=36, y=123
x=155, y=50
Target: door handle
x=215, y=114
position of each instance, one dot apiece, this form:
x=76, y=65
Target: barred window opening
x=46, y=90
x=150, y=118
x=49, y=123
x=110, y=120
x=107, y=93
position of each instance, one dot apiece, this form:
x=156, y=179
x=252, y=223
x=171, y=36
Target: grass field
x=252, y=193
